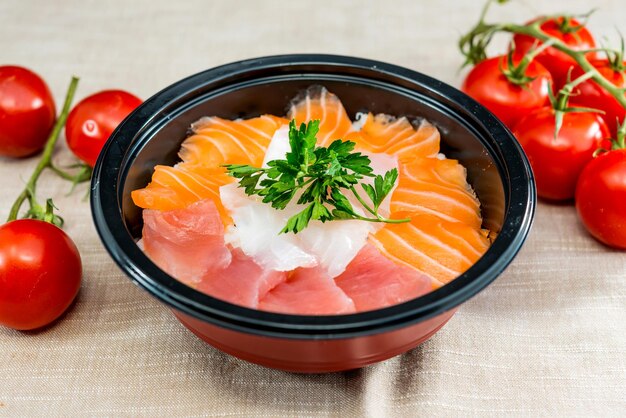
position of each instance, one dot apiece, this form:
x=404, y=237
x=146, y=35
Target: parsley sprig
x=323, y=174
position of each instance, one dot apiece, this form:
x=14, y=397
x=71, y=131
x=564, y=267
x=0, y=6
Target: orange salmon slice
x=436, y=187
x=219, y=141
x=319, y=103
x=397, y=136
x=179, y=186
x=438, y=248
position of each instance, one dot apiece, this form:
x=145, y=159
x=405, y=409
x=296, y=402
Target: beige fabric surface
x=548, y=338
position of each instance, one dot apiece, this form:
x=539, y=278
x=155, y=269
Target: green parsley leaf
x=319, y=174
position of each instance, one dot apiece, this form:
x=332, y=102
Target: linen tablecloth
x=547, y=338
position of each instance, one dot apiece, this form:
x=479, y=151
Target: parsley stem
x=382, y=219
x=362, y=202
x=378, y=217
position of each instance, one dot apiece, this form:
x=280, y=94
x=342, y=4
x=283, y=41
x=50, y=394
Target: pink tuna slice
x=307, y=291
x=186, y=243
x=373, y=281
x=243, y=282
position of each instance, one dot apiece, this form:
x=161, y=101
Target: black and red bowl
x=152, y=134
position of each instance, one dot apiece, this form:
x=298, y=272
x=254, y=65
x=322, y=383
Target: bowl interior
x=497, y=169
x=460, y=140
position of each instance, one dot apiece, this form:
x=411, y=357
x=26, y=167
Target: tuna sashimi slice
x=373, y=281
x=308, y=292
x=186, y=243
x=243, y=282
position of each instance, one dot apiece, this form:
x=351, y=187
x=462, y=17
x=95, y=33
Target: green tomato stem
x=566, y=91
x=518, y=72
x=483, y=31
x=46, y=157
x=82, y=175
x=578, y=56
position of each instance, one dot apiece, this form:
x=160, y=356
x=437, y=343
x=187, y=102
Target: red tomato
x=94, y=119
x=510, y=102
x=601, y=198
x=596, y=97
x=558, y=162
x=40, y=273
x=27, y=112
x=557, y=62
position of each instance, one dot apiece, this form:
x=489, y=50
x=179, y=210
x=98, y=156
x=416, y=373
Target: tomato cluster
x=562, y=120
x=40, y=266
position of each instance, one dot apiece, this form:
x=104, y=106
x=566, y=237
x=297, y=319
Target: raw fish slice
x=436, y=187
x=219, y=141
x=257, y=232
x=436, y=247
x=373, y=281
x=307, y=292
x=397, y=136
x=179, y=186
x=186, y=243
x=319, y=103
x=257, y=226
x=243, y=282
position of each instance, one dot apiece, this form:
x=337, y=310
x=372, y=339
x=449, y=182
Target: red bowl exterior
x=315, y=356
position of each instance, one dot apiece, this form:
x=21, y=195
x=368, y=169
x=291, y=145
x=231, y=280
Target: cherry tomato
x=27, y=112
x=94, y=119
x=590, y=94
x=510, y=102
x=558, y=162
x=601, y=198
x=572, y=33
x=40, y=273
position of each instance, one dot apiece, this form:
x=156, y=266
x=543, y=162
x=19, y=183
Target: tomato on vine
x=509, y=86
x=571, y=32
x=40, y=267
x=27, y=112
x=94, y=119
x=559, y=141
x=40, y=273
x=590, y=94
x=601, y=194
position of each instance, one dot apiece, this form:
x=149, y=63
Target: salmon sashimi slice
x=396, y=136
x=186, y=243
x=373, y=281
x=319, y=103
x=307, y=291
x=436, y=247
x=218, y=141
x=243, y=282
x=179, y=186
x=436, y=187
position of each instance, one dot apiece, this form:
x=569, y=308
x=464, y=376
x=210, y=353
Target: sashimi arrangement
x=312, y=213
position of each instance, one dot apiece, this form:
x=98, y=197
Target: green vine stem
x=516, y=74
x=560, y=103
x=620, y=141
x=473, y=43
x=36, y=210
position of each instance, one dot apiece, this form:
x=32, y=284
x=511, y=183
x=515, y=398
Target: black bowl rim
x=108, y=218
